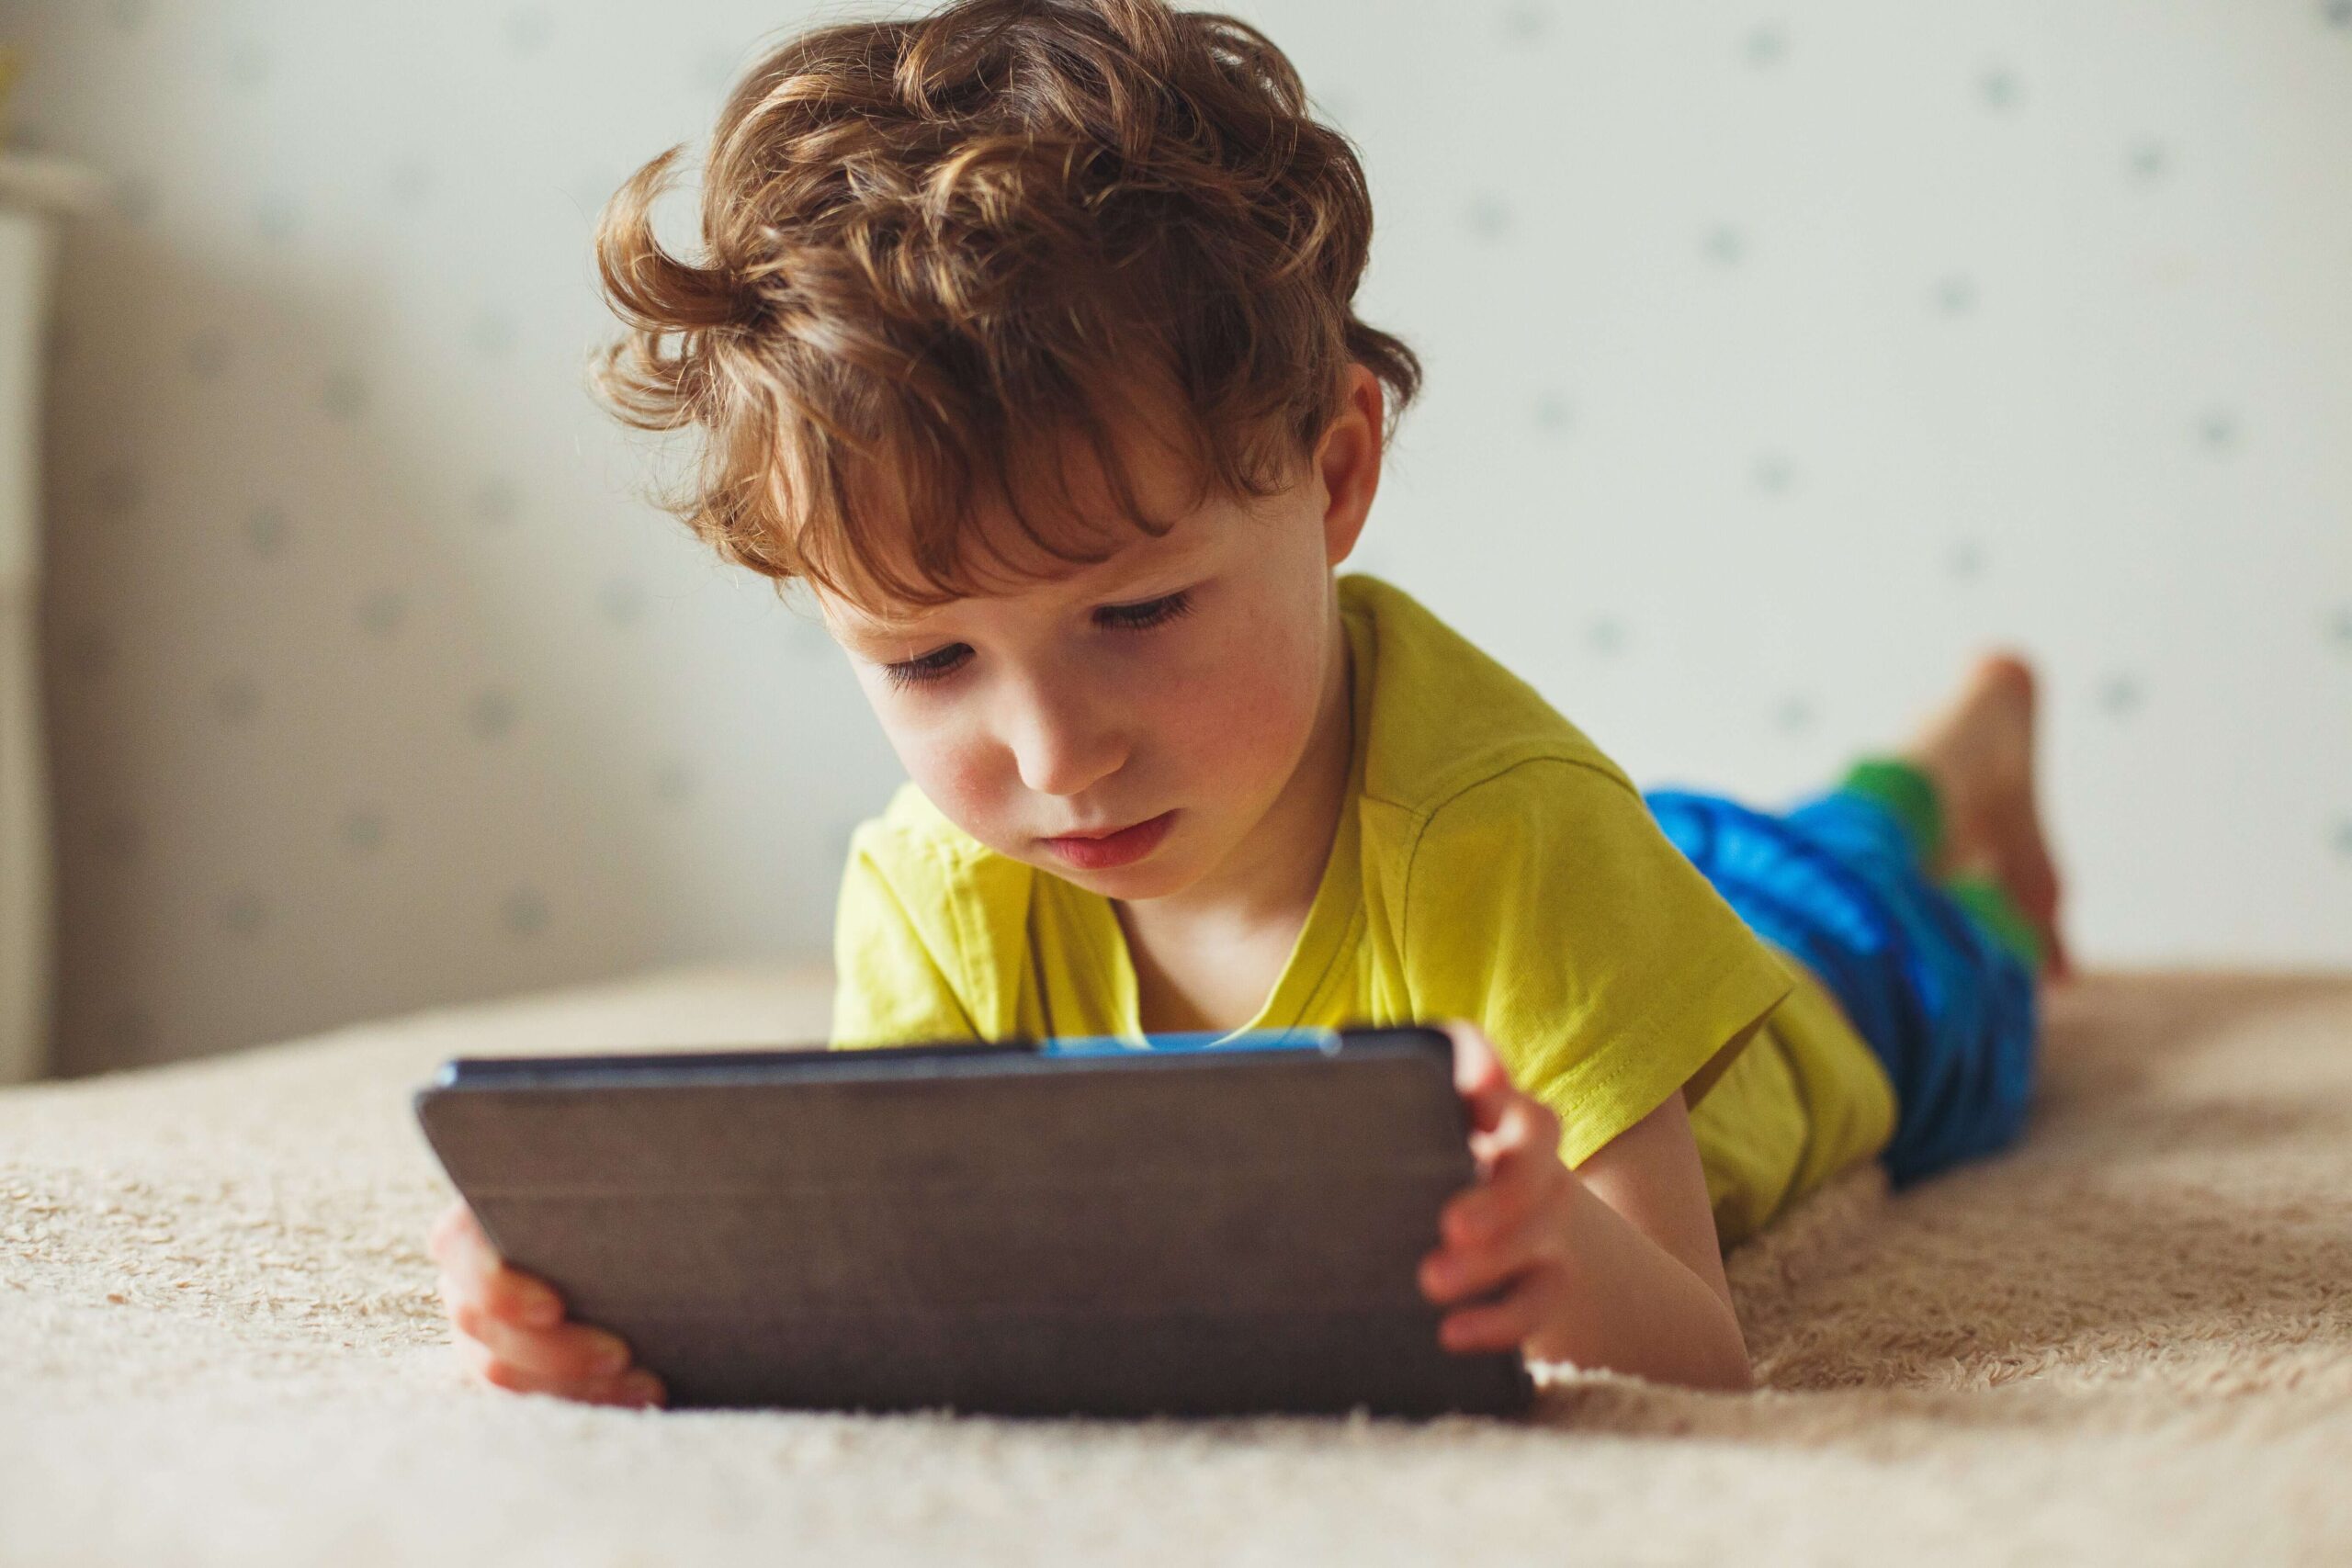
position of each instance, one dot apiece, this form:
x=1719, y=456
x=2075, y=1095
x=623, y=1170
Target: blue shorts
x=1837, y=882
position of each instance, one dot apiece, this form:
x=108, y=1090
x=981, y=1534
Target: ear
x=1346, y=461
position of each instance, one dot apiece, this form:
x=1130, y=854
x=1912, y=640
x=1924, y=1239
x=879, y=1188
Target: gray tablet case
x=1082, y=1227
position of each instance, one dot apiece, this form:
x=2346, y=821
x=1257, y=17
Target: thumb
x=1478, y=1075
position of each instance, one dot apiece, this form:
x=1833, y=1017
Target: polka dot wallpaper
x=1779, y=360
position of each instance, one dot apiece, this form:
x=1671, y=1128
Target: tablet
x=1196, y=1226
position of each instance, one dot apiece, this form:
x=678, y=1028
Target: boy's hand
x=1509, y=1230
x=511, y=1331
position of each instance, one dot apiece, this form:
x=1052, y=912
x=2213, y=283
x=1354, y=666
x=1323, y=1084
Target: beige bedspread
x=2130, y=1339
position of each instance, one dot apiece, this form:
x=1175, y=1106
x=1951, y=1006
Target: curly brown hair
x=936, y=250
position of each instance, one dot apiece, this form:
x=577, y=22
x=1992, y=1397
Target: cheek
x=964, y=784
x=1247, y=711
x=954, y=768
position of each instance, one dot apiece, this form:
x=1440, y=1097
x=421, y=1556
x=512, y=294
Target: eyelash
x=943, y=662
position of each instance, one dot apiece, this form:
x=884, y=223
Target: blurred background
x=1780, y=358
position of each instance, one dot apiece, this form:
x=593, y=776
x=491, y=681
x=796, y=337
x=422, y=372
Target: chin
x=1160, y=874
x=1126, y=884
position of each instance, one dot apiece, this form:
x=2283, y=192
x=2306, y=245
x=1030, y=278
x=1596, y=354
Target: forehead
x=1060, y=523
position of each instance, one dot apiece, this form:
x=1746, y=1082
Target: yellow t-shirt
x=1491, y=864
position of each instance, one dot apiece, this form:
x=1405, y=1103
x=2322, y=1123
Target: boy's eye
x=942, y=662
x=1150, y=612
x=933, y=666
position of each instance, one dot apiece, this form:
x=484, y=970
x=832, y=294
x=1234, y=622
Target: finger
x=1518, y=1180
x=630, y=1390
x=522, y=1299
x=1458, y=1272
x=570, y=1351
x=455, y=1234
x=457, y=1237
x=1527, y=1131
x=1478, y=1074
x=1496, y=1325
x=573, y=1352
x=635, y=1387
x=480, y=1274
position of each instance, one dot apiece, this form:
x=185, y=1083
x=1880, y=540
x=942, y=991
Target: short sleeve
x=1545, y=905
x=889, y=989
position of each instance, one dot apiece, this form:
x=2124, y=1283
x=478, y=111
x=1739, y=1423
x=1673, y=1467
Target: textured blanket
x=2127, y=1339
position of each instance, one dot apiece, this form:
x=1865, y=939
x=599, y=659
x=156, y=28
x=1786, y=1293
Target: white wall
x=1779, y=358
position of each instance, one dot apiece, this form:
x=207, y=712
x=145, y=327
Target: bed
x=2129, y=1338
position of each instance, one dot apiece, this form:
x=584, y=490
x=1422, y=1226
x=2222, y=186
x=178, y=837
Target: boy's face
x=1169, y=692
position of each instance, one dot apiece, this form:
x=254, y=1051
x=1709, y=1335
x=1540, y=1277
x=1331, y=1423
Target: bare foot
x=1979, y=751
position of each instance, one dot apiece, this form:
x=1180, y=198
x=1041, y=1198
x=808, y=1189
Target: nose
x=1062, y=744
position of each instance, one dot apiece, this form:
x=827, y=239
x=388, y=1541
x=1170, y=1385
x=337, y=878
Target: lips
x=1122, y=847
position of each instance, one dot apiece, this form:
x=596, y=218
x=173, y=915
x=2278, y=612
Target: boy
x=1025, y=338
